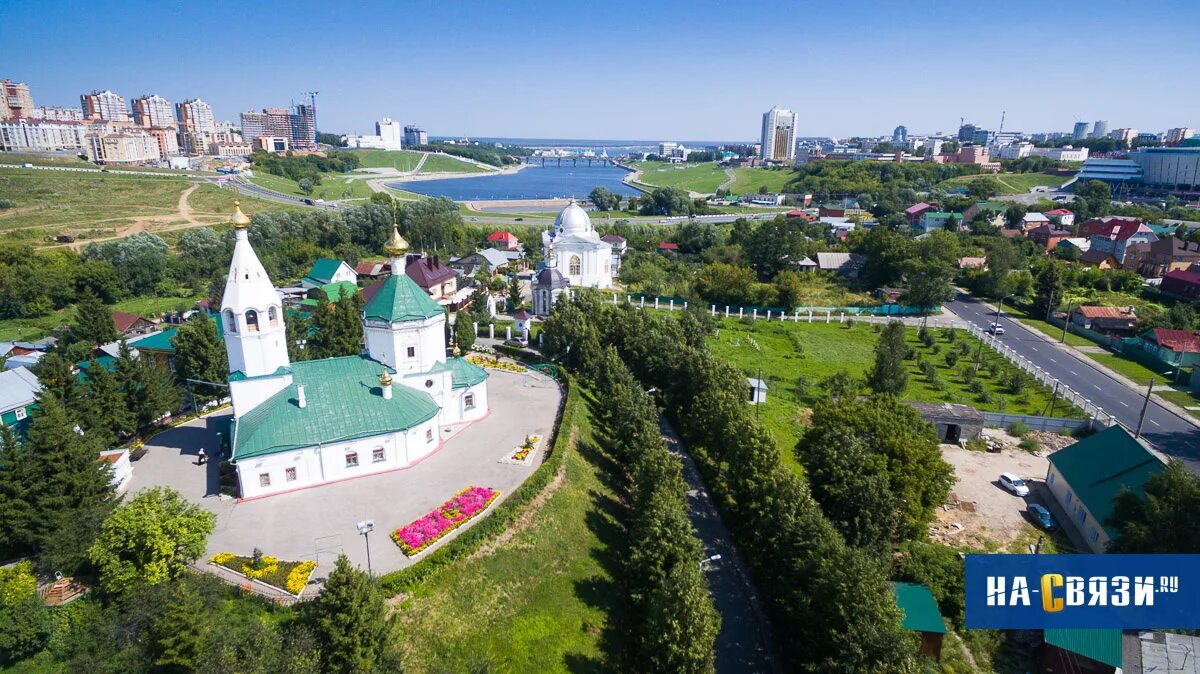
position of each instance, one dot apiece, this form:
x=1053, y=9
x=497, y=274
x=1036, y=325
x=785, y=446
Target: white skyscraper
x=390, y=133
x=779, y=135
x=1100, y=129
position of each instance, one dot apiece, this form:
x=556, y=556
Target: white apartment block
x=154, y=110
x=1178, y=135
x=21, y=135
x=389, y=135
x=779, y=135
x=53, y=114
x=122, y=148
x=104, y=105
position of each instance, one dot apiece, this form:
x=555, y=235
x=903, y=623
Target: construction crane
x=312, y=99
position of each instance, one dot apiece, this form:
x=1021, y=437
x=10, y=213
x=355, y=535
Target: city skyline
x=535, y=66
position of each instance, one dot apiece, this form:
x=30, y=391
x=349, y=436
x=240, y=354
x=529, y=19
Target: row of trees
x=305, y=167
x=674, y=621
x=830, y=604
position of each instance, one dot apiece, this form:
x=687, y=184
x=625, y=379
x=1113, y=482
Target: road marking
x=1053, y=361
x=1073, y=372
x=1097, y=387
x=1154, y=422
x=1123, y=403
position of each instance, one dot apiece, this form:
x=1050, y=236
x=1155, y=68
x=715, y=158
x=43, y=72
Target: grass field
x=401, y=160
x=703, y=178
x=794, y=374
x=333, y=186
x=750, y=180
x=1130, y=368
x=544, y=599
x=1184, y=399
x=28, y=329
x=438, y=163
x=1012, y=183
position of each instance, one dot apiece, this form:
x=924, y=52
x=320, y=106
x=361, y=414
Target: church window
x=429, y=435
x=412, y=352
x=289, y=474
x=273, y=315
x=264, y=479
x=469, y=401
x=230, y=322
x=573, y=268
x=351, y=459
x=377, y=455
x=251, y=321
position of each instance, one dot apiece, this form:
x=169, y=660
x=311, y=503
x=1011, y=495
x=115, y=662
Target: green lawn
x=401, y=160
x=29, y=329
x=1012, y=183
x=1183, y=399
x=545, y=599
x=1131, y=368
x=1048, y=329
x=440, y=163
x=40, y=160
x=703, y=178
x=750, y=180
x=827, y=348
x=333, y=187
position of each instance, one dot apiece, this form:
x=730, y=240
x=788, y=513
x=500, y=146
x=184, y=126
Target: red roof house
x=797, y=213
x=130, y=325
x=437, y=279
x=1181, y=282
x=1179, y=348
x=504, y=240
x=668, y=247
x=913, y=213
x=1104, y=319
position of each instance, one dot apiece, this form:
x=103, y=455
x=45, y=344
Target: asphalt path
x=1169, y=433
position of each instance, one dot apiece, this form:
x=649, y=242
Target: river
x=532, y=182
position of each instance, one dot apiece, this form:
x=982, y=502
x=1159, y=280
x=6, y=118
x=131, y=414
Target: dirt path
x=183, y=211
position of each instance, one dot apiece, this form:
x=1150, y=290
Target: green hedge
x=502, y=517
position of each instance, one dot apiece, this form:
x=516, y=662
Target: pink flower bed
x=425, y=531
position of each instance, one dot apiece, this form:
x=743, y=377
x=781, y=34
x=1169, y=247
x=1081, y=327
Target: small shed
x=758, y=391
x=954, y=423
x=1082, y=651
x=921, y=615
x=521, y=321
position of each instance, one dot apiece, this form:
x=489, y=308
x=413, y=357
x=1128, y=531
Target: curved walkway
x=731, y=178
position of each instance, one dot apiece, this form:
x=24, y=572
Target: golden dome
x=240, y=221
x=396, y=246
x=385, y=379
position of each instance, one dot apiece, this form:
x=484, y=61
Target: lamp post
x=365, y=528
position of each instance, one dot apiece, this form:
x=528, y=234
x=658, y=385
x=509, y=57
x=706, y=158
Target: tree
x=789, y=288
x=103, y=404
x=149, y=391
x=18, y=533
x=150, y=539
x=25, y=624
x=604, y=200
x=851, y=486
x=93, y=322
x=515, y=298
x=199, y=352
x=178, y=634
x=984, y=188
x=775, y=245
x=889, y=374
x=464, y=333
x=1166, y=521
x=351, y=622
x=929, y=285
x=1049, y=288
x=337, y=326
x=1181, y=316
x=305, y=186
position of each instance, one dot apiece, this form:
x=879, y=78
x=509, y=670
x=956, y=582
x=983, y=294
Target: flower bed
x=494, y=362
x=290, y=577
x=523, y=453
x=425, y=531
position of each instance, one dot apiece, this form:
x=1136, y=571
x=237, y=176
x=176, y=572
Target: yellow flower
x=221, y=557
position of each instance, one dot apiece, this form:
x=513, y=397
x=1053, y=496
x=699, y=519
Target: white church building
x=298, y=425
x=576, y=257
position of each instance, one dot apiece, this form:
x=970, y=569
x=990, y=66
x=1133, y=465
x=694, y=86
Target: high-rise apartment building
x=1099, y=129
x=900, y=134
x=390, y=132
x=1125, y=135
x=195, y=116
x=415, y=135
x=15, y=100
x=1080, y=131
x=154, y=111
x=279, y=123
x=1178, y=135
x=304, y=127
x=966, y=132
x=38, y=135
x=54, y=114
x=779, y=135
x=254, y=124
x=104, y=105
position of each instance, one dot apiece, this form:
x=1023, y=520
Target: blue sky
x=692, y=70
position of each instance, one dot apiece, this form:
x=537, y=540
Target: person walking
x=203, y=457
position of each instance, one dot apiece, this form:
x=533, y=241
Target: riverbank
x=491, y=205
x=421, y=177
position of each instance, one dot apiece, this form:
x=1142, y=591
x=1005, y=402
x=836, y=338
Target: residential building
x=1080, y=131
x=913, y=213
x=1064, y=153
x=1176, y=348
x=919, y=613
x=666, y=149
x=1125, y=135
x=56, y=114
x=1062, y=216
x=132, y=325
x=435, y=278
x=779, y=135
x=1085, y=477
x=304, y=127
x=1114, y=234
x=272, y=144
x=167, y=139
x=326, y=270
x=278, y=123
x=900, y=135
x=1182, y=283
x=15, y=101
x=1105, y=319
x=975, y=154
x=504, y=241
x=847, y=264
x=196, y=125
x=415, y=135
x=230, y=150
x=1167, y=254
x=488, y=261
x=104, y=105
x=1049, y=235
x=254, y=124
x=18, y=394
x=154, y=111
x=619, y=246
x=1178, y=135
x=1082, y=651
x=1099, y=129
x=933, y=220
x=32, y=135
x=992, y=212
x=968, y=131
x=1033, y=219
x=122, y=148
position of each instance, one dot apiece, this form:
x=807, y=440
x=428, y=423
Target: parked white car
x=996, y=329
x=1014, y=484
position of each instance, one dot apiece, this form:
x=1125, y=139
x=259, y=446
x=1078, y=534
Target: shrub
x=951, y=335
x=1001, y=403
x=924, y=336
x=935, y=349
x=1030, y=444
x=1018, y=429
x=951, y=358
x=964, y=348
x=985, y=397
x=976, y=386
x=7, y=203
x=977, y=445
x=876, y=327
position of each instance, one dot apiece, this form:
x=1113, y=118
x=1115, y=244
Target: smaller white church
x=576, y=257
x=303, y=424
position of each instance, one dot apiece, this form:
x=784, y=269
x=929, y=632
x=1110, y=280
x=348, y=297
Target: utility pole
x=1145, y=406
x=1066, y=323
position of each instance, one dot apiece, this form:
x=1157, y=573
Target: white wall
x=1081, y=518
x=247, y=394
x=389, y=344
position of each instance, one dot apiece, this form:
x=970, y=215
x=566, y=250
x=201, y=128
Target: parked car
x=517, y=342
x=1014, y=484
x=996, y=329
x=307, y=202
x=1042, y=516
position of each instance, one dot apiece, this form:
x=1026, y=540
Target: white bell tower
x=252, y=322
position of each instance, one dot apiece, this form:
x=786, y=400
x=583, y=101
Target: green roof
x=333, y=292
x=1100, y=645
x=159, y=341
x=106, y=361
x=920, y=610
x=343, y=402
x=940, y=215
x=1098, y=467
x=399, y=298
x=323, y=270
x=464, y=373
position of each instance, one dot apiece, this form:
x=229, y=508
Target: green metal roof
x=333, y=292
x=106, y=361
x=343, y=402
x=399, y=298
x=939, y=215
x=1098, y=467
x=159, y=341
x=920, y=610
x=323, y=270
x=1099, y=645
x=465, y=373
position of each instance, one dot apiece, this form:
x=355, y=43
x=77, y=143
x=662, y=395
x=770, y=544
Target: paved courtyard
x=319, y=523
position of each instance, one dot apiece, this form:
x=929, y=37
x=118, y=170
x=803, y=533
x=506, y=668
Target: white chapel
x=574, y=248
x=298, y=425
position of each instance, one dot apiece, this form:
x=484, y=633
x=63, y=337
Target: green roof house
x=332, y=292
x=1079, y=651
x=326, y=270
x=1086, y=476
x=921, y=615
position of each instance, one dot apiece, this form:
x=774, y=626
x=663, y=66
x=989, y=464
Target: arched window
x=573, y=268
x=251, y=321
x=230, y=321
x=273, y=315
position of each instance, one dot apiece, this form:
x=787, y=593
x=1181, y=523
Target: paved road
x=246, y=187
x=1166, y=431
x=744, y=642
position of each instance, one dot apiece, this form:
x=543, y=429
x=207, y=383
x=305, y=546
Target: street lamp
x=707, y=560
x=365, y=528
